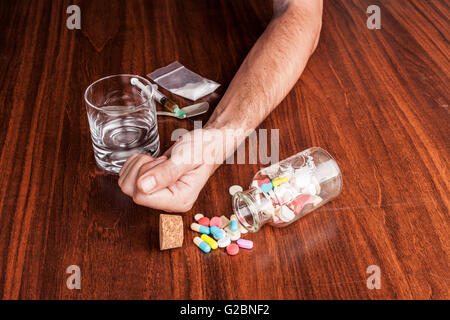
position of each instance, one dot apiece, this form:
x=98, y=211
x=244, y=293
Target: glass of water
x=122, y=120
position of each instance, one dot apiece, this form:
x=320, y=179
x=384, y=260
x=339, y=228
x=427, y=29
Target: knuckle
x=143, y=158
x=150, y=163
x=173, y=173
x=185, y=205
x=137, y=198
x=141, y=170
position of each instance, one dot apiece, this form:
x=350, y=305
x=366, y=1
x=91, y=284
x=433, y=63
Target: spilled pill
x=204, y=221
x=233, y=223
x=246, y=244
x=220, y=234
x=225, y=241
x=242, y=229
x=199, y=228
x=202, y=245
x=233, y=249
x=212, y=243
x=198, y=216
x=217, y=232
x=234, y=235
x=234, y=189
x=225, y=221
x=215, y=221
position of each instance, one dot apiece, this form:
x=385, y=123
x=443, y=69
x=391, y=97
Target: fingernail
x=148, y=184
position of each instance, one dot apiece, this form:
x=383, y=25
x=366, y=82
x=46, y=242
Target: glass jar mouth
x=246, y=212
x=122, y=108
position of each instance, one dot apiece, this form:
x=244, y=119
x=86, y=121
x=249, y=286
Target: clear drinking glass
x=122, y=120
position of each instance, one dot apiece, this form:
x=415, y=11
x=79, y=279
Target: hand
x=173, y=181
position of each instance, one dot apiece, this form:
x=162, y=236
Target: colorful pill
x=286, y=214
x=215, y=221
x=204, y=221
x=212, y=243
x=225, y=241
x=246, y=244
x=233, y=223
x=199, y=228
x=261, y=182
x=233, y=235
x=217, y=233
x=316, y=200
x=300, y=201
x=225, y=221
x=279, y=181
x=233, y=249
x=242, y=229
x=234, y=226
x=266, y=187
x=235, y=189
x=198, y=216
x=202, y=245
x=284, y=194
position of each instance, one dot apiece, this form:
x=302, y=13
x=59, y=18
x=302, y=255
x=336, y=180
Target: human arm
x=267, y=74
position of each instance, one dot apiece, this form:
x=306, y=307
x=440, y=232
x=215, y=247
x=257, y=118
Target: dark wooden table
x=375, y=99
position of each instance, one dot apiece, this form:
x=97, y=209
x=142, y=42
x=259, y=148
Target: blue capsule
x=199, y=228
x=234, y=225
x=202, y=245
x=266, y=187
x=217, y=232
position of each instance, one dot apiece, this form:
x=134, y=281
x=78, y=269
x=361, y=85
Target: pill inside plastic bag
x=183, y=82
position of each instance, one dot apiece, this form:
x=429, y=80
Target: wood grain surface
x=377, y=100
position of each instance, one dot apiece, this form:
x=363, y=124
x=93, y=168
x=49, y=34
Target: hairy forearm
x=271, y=68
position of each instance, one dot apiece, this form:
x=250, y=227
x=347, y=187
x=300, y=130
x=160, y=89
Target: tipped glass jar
x=285, y=191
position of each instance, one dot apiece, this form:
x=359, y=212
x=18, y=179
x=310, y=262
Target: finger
x=161, y=176
x=128, y=184
x=131, y=164
x=165, y=199
x=179, y=197
x=127, y=163
x=126, y=168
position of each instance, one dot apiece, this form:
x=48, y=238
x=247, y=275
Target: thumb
x=151, y=179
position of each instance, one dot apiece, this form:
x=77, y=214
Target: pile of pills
x=219, y=232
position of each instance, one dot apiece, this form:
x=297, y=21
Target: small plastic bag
x=183, y=82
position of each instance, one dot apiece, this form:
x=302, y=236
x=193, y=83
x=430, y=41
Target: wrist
x=222, y=141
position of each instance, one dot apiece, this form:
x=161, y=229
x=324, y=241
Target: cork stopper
x=170, y=231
